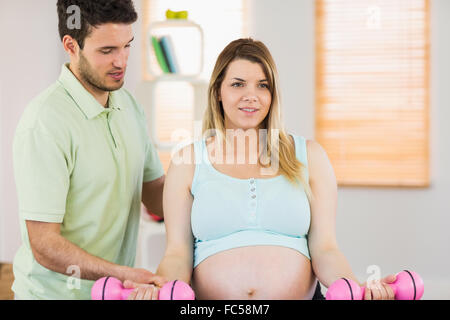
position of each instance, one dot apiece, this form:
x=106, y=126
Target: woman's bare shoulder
x=182, y=164
x=314, y=149
x=318, y=161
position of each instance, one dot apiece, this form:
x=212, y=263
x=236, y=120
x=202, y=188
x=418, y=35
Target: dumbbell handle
x=392, y=285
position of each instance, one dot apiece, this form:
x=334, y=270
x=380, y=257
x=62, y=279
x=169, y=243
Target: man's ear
x=70, y=45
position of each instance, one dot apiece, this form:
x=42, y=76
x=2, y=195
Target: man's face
x=103, y=61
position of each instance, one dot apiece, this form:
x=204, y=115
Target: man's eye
x=105, y=51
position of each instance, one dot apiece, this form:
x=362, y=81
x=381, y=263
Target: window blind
x=372, y=90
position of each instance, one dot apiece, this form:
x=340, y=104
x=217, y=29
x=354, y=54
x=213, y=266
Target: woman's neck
x=239, y=146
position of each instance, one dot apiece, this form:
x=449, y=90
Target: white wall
x=30, y=61
x=287, y=29
x=392, y=228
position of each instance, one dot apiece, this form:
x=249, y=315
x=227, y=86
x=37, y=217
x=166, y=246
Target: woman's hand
x=141, y=291
x=144, y=291
x=380, y=290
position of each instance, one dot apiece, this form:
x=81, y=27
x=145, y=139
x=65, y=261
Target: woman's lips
x=249, y=110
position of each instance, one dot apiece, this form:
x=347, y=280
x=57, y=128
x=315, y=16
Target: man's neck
x=99, y=95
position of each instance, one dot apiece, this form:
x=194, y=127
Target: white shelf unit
x=147, y=89
x=147, y=94
x=152, y=241
x=184, y=39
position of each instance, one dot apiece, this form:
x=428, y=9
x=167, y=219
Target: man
x=83, y=163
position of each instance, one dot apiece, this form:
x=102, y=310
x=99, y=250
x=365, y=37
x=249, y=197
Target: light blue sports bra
x=228, y=212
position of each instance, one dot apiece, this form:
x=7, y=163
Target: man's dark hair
x=93, y=13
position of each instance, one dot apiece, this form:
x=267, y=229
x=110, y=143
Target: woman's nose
x=250, y=96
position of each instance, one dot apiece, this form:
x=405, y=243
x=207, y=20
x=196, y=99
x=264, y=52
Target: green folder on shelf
x=159, y=55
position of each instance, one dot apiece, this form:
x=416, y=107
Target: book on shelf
x=164, y=52
x=159, y=55
x=169, y=53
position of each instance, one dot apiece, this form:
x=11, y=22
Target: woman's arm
x=177, y=262
x=328, y=262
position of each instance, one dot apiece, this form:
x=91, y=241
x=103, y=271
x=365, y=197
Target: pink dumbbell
x=109, y=288
x=407, y=286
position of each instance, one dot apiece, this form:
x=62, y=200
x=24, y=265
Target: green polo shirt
x=81, y=165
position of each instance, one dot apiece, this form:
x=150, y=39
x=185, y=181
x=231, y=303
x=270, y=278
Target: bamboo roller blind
x=372, y=90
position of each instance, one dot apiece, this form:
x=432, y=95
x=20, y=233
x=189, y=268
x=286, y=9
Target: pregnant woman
x=250, y=209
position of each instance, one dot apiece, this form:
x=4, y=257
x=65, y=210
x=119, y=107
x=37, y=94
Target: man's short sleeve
x=42, y=176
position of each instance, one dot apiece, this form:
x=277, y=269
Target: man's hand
x=135, y=276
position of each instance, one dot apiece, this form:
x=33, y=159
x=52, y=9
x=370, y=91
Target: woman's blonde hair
x=255, y=51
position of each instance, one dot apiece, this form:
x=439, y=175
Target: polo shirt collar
x=83, y=98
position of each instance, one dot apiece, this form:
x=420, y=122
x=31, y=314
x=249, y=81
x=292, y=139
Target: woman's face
x=245, y=95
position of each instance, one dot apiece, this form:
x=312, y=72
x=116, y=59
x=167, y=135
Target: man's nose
x=120, y=60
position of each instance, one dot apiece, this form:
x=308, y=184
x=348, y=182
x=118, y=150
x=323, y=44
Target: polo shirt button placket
x=111, y=133
x=116, y=109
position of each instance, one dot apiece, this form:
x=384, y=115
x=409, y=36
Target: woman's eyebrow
x=239, y=79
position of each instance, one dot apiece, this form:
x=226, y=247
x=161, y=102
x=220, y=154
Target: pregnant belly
x=254, y=272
